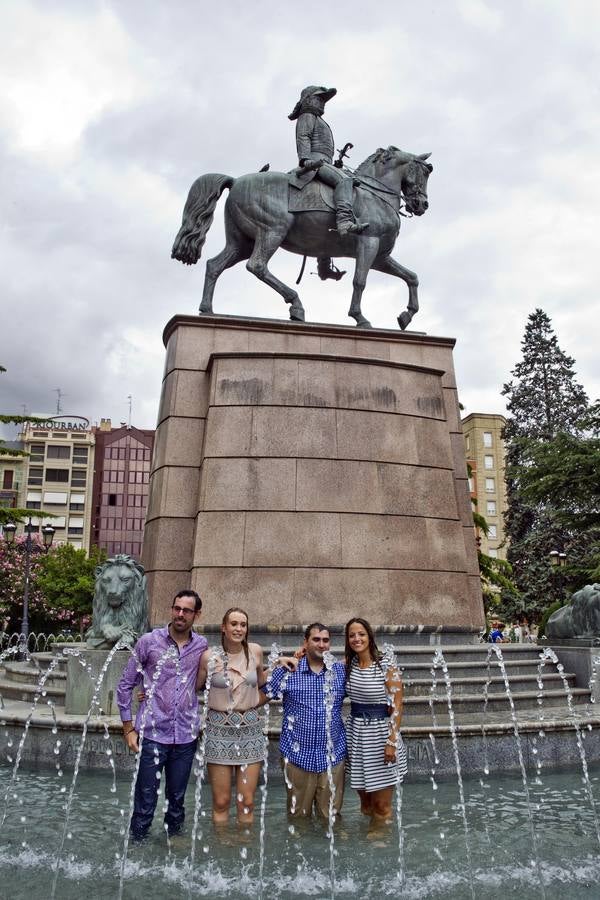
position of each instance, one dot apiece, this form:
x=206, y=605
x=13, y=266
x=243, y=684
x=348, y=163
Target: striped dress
x=366, y=739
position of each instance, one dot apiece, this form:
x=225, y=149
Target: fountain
x=459, y=833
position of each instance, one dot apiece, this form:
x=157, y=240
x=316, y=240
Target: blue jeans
x=176, y=760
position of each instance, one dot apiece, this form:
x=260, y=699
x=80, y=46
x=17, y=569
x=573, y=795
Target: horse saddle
x=314, y=196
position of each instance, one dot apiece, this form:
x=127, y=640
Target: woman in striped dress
x=376, y=752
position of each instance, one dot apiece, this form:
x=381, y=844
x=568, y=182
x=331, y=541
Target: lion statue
x=580, y=618
x=120, y=610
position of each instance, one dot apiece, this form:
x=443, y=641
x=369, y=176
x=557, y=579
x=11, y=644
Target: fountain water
x=329, y=698
x=333, y=867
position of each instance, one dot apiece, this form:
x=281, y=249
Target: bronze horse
x=258, y=222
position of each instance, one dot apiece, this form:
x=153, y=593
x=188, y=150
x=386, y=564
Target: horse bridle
x=402, y=198
x=418, y=194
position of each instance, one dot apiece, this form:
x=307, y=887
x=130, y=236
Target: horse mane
x=380, y=155
x=383, y=154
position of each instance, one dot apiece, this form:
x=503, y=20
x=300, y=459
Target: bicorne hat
x=327, y=94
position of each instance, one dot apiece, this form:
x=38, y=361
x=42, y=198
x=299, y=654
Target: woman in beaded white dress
x=376, y=752
x=235, y=744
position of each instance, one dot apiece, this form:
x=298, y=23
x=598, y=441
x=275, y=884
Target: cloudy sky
x=109, y=111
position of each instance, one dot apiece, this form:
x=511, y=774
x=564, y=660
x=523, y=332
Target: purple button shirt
x=173, y=716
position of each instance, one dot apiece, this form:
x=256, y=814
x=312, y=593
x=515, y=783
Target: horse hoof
x=205, y=312
x=297, y=315
x=404, y=320
x=363, y=323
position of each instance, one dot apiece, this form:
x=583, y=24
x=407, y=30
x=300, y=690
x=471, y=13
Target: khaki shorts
x=310, y=790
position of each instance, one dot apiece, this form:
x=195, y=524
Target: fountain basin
x=296, y=863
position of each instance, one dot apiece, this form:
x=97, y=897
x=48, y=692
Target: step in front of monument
x=27, y=691
x=29, y=673
x=478, y=684
x=408, y=655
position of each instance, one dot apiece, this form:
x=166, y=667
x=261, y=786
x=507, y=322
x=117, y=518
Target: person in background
x=496, y=635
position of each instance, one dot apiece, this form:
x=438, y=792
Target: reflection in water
x=296, y=861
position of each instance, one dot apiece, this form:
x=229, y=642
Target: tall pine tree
x=544, y=398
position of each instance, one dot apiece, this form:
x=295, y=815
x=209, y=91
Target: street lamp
x=28, y=547
x=558, y=561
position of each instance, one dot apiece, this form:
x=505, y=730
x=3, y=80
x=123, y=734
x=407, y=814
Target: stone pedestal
x=310, y=472
x=582, y=657
x=81, y=682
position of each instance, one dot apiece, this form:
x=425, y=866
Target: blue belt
x=368, y=711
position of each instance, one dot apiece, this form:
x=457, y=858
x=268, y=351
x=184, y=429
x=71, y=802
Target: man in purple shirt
x=165, y=664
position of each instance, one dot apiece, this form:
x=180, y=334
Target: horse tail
x=198, y=214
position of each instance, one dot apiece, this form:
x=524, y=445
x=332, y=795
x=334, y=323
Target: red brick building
x=120, y=493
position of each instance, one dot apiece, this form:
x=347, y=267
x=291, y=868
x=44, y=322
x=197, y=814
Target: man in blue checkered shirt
x=303, y=741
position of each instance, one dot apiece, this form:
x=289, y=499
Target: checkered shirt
x=303, y=739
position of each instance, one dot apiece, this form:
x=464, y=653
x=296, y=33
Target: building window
x=78, y=478
x=467, y=442
x=493, y=553
x=471, y=484
x=57, y=475
x=53, y=452
x=112, y=499
x=76, y=507
x=35, y=475
x=34, y=504
x=488, y=462
x=492, y=532
x=490, y=485
x=80, y=454
x=40, y=434
x=36, y=453
x=491, y=507
x=7, y=479
x=487, y=438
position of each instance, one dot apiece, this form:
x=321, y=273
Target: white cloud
x=60, y=70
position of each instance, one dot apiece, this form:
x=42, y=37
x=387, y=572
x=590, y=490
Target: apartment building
x=484, y=448
x=58, y=475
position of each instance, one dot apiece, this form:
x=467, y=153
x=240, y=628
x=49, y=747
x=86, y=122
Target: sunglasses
x=184, y=610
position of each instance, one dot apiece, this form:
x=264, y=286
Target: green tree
x=543, y=400
x=66, y=580
x=564, y=473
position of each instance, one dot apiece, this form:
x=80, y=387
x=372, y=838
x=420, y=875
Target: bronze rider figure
x=315, y=146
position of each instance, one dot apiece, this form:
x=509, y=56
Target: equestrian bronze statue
x=321, y=209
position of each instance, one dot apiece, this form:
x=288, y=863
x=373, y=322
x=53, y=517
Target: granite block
x=173, y=492
x=184, y=393
x=395, y=542
x=178, y=442
x=266, y=593
x=219, y=539
x=292, y=539
x=168, y=543
x=228, y=431
x=247, y=483
x=162, y=587
x=370, y=487
x=293, y=432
